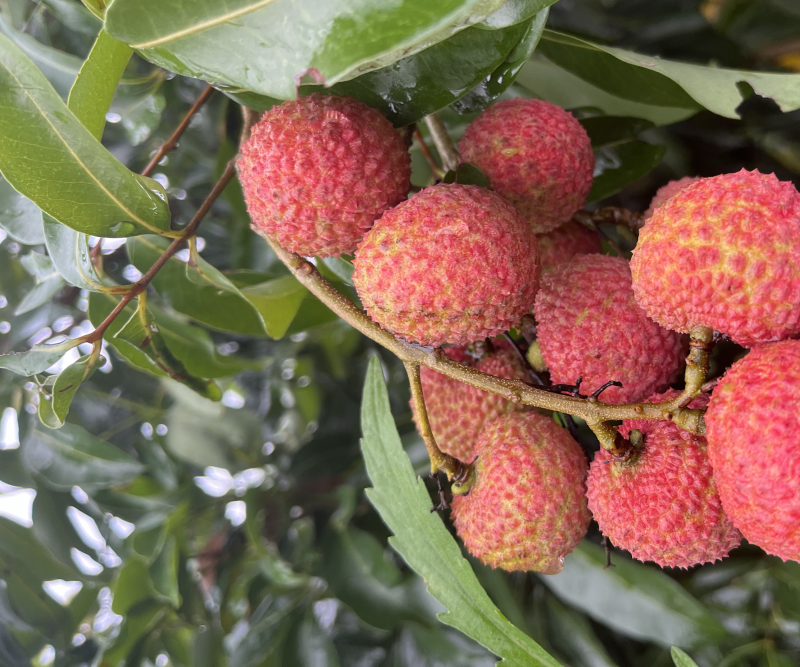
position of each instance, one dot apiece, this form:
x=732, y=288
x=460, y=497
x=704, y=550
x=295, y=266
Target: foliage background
x=238, y=532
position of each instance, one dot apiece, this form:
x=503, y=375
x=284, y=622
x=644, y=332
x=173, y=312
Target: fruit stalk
x=447, y=151
x=516, y=391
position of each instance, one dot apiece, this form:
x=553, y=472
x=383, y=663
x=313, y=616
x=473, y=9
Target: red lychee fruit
x=724, y=253
x=662, y=504
x=590, y=326
x=452, y=264
x=753, y=430
x=527, y=510
x=536, y=155
x=667, y=192
x=563, y=243
x=456, y=411
x=318, y=171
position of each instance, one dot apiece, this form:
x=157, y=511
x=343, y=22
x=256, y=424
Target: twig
x=612, y=215
x=444, y=144
x=172, y=142
x=435, y=168
x=592, y=411
x=140, y=285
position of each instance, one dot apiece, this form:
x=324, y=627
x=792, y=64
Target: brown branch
x=444, y=144
x=435, y=168
x=171, y=143
x=137, y=288
x=591, y=410
x=610, y=215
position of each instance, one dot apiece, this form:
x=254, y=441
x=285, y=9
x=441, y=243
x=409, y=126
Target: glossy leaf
x=48, y=156
x=141, y=332
x=70, y=253
x=48, y=282
x=74, y=16
x=194, y=37
x=633, y=599
x=19, y=216
x=71, y=456
x=277, y=301
x=513, y=12
x=20, y=548
x=164, y=572
x=430, y=80
x=91, y=95
x=652, y=80
x=467, y=174
x=422, y=540
x=58, y=398
x=36, y=360
x=681, y=658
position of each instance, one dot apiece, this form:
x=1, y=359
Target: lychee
x=564, y=242
x=667, y=192
x=318, y=171
x=452, y=264
x=457, y=412
x=590, y=326
x=753, y=430
x=536, y=155
x=724, y=253
x=662, y=504
x=527, y=509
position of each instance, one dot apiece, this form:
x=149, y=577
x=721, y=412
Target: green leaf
x=32, y=605
x=71, y=456
x=422, y=540
x=439, y=75
x=681, y=658
x=263, y=644
x=91, y=95
x=548, y=81
x=164, y=572
x=74, y=16
x=36, y=360
x=142, y=333
x=513, y=12
x=467, y=174
x=97, y=7
x=136, y=625
x=651, y=80
x=48, y=156
x=58, y=67
x=48, y=282
x=620, y=157
x=69, y=251
x=193, y=37
x=277, y=301
x=19, y=216
x=573, y=635
x=58, y=397
x=311, y=646
x=633, y=599
x=26, y=555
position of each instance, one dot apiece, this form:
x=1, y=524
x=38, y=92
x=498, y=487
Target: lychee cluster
x=457, y=412
x=455, y=264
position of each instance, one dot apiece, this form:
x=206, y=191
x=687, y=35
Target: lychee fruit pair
x=318, y=171
x=457, y=412
x=590, y=326
x=724, y=253
x=527, y=509
x=753, y=435
x=662, y=503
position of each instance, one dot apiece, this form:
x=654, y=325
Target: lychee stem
x=701, y=342
x=444, y=144
x=516, y=391
x=451, y=466
x=423, y=147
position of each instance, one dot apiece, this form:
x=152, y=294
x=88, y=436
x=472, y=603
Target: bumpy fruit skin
x=662, y=505
x=590, y=326
x=563, y=243
x=667, y=192
x=457, y=412
x=318, y=171
x=536, y=155
x=527, y=510
x=753, y=430
x=724, y=253
x=452, y=264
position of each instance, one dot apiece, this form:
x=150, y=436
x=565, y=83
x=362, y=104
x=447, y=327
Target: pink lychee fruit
x=527, y=510
x=536, y=155
x=590, y=326
x=318, y=171
x=452, y=264
x=457, y=412
x=662, y=504
x=668, y=191
x=724, y=253
x=753, y=430
x=566, y=241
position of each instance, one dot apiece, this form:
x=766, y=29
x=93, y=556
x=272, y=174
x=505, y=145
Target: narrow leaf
x=93, y=90
x=65, y=387
x=36, y=360
x=681, y=658
x=422, y=540
x=70, y=253
x=19, y=216
x=48, y=156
